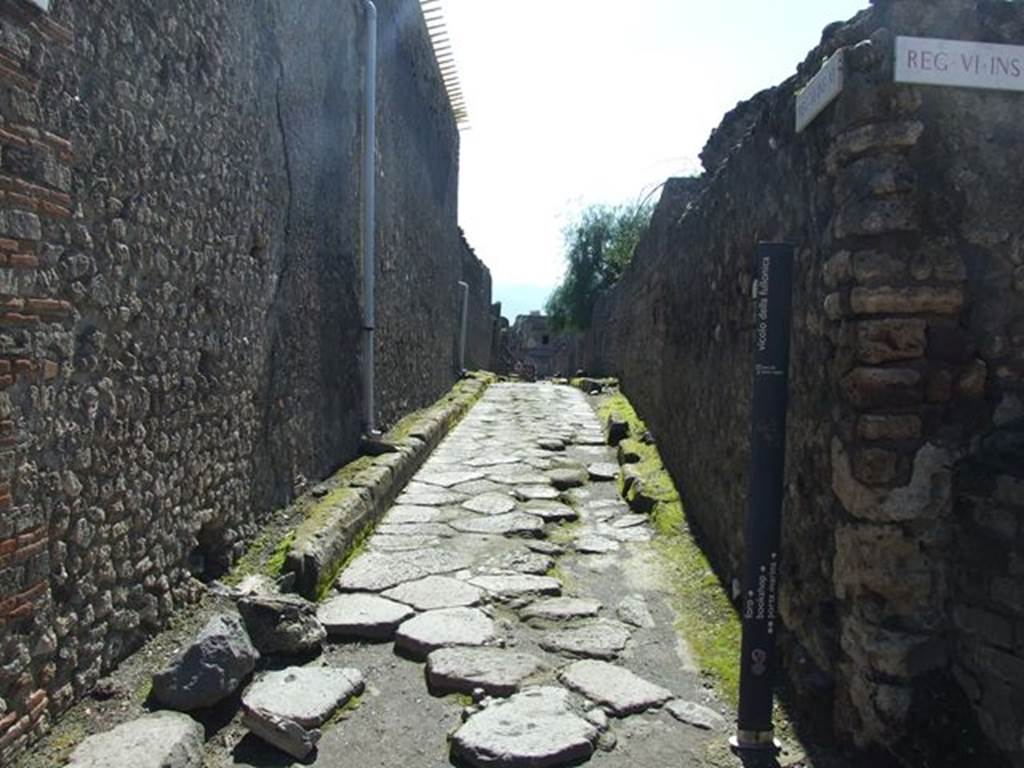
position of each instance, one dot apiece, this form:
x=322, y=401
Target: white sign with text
x=821, y=91
x=44, y=4
x=959, y=63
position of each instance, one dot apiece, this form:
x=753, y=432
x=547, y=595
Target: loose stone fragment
x=497, y=671
x=603, y=471
x=697, y=715
x=490, y=504
x=512, y=524
x=551, y=511
x=591, y=544
x=633, y=610
x=281, y=624
x=160, y=740
x=616, y=689
x=436, y=592
x=564, y=479
x=445, y=628
x=305, y=695
x=602, y=639
x=533, y=728
x=537, y=492
x=211, y=668
x=282, y=733
x=618, y=430
x=629, y=521
x=508, y=586
x=551, y=444
x=520, y=561
x=560, y=609
x=605, y=509
x=364, y=617
x=634, y=533
x=546, y=548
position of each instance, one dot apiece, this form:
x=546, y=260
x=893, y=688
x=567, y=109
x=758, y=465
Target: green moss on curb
x=255, y=560
x=707, y=619
x=328, y=577
x=276, y=562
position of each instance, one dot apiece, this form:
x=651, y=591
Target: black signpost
x=774, y=270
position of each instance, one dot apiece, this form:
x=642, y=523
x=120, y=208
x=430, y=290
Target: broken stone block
x=617, y=690
x=603, y=471
x=307, y=696
x=284, y=624
x=564, y=479
x=282, y=733
x=697, y=715
x=159, y=740
x=208, y=670
x=618, y=429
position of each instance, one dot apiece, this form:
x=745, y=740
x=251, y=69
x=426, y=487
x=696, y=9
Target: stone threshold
x=342, y=511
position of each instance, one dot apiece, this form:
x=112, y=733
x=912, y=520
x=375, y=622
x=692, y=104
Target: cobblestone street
x=510, y=569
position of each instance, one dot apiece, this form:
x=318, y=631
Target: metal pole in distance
x=369, y=219
x=464, y=290
x=774, y=303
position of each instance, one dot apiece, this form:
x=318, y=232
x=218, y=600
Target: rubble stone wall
x=180, y=298
x=903, y=544
x=482, y=317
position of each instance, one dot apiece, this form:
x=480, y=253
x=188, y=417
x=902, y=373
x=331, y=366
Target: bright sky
x=574, y=102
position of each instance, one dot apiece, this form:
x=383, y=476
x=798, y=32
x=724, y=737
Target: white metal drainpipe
x=464, y=289
x=369, y=219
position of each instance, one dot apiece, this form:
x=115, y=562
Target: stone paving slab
x=511, y=524
x=496, y=671
x=362, y=616
x=617, y=690
x=436, y=592
x=444, y=628
x=561, y=609
x=305, y=695
x=601, y=639
x=534, y=728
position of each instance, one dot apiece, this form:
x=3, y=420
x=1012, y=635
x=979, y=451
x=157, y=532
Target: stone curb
x=337, y=524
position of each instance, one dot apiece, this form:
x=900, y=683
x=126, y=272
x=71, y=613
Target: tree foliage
x=599, y=246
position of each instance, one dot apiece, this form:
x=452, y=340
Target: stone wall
x=483, y=315
x=179, y=273
x=903, y=544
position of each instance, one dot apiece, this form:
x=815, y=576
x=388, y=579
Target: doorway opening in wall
x=545, y=340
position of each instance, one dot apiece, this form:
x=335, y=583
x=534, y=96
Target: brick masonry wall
x=902, y=528
x=179, y=299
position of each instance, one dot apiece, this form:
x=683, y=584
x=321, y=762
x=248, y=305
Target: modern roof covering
x=433, y=14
